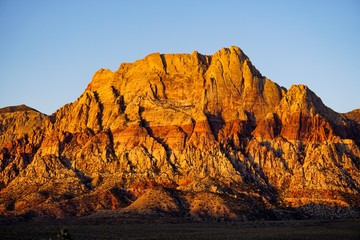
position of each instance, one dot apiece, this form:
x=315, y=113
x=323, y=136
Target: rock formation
x=182, y=134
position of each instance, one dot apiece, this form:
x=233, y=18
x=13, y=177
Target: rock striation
x=186, y=135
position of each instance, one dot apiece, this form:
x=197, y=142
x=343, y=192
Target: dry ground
x=168, y=229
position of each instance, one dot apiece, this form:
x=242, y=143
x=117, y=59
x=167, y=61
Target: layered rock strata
x=183, y=127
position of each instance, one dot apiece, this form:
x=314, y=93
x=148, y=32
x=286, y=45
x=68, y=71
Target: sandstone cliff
x=208, y=135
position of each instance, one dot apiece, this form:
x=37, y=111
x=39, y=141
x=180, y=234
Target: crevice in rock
x=216, y=123
x=99, y=114
x=110, y=151
x=164, y=87
x=145, y=124
x=162, y=56
x=253, y=175
x=85, y=180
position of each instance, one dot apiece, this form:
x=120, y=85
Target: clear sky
x=50, y=49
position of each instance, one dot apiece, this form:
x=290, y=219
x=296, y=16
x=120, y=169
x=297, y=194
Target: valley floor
x=121, y=229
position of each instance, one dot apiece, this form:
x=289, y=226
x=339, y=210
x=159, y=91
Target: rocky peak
x=300, y=98
x=224, y=85
x=18, y=108
x=21, y=133
x=354, y=115
x=303, y=115
x=204, y=132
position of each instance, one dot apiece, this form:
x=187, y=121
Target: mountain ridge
x=189, y=125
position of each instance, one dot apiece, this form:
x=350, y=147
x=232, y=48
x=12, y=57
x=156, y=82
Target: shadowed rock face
x=210, y=134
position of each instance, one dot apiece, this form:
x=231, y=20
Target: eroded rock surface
x=209, y=135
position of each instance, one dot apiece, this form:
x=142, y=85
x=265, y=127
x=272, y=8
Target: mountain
x=183, y=135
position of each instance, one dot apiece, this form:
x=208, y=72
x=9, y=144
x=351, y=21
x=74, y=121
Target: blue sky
x=49, y=50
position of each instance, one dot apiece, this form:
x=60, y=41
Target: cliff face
x=208, y=135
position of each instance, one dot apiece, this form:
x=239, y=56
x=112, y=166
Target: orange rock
x=194, y=127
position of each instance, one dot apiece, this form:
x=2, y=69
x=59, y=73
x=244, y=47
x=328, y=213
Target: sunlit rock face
x=185, y=135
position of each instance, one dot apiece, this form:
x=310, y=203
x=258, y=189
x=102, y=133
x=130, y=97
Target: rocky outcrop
x=22, y=131
x=184, y=127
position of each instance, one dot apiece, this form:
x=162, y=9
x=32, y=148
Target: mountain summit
x=185, y=135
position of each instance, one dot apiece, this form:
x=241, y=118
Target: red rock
x=198, y=127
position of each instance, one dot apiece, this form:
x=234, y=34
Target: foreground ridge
x=185, y=135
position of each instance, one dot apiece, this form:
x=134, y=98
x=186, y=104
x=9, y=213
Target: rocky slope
x=185, y=135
